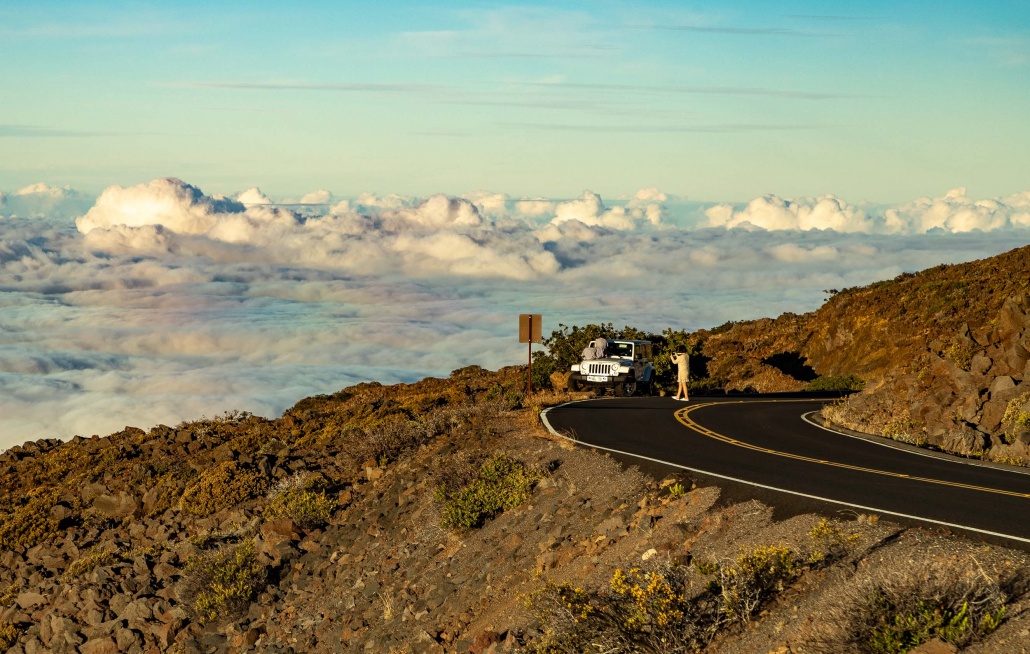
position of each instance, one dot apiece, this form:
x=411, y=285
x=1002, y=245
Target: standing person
x=682, y=361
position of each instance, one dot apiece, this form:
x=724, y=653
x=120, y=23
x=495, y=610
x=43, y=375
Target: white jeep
x=626, y=366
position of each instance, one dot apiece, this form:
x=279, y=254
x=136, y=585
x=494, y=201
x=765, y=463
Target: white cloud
x=488, y=202
x=391, y=201
x=320, y=196
x=169, y=202
x=40, y=188
x=589, y=209
x=771, y=212
x=534, y=208
x=40, y=199
x=954, y=213
x=253, y=196
x=957, y=213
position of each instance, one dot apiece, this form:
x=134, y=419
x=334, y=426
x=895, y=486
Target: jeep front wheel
x=627, y=388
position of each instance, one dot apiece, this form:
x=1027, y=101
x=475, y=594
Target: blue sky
x=875, y=101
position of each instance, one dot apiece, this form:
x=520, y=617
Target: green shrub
x=747, y=582
x=1015, y=419
x=829, y=541
x=502, y=484
x=677, y=490
x=905, y=430
x=30, y=522
x=652, y=611
x=840, y=383
x=220, y=585
x=304, y=500
x=639, y=612
x=961, y=353
x=221, y=486
x=95, y=557
x=901, y=604
x=899, y=631
x=9, y=635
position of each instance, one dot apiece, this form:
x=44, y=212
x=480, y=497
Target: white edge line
x=547, y=423
x=939, y=456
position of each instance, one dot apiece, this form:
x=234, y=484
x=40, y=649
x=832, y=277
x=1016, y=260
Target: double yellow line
x=683, y=416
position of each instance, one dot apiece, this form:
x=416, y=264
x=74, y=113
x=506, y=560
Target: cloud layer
x=161, y=303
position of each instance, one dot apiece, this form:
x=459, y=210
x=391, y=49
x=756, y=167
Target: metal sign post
x=530, y=332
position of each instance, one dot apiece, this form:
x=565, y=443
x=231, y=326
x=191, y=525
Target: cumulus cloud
x=487, y=202
x=320, y=196
x=253, y=196
x=163, y=303
x=169, y=202
x=42, y=200
x=534, y=208
x=771, y=212
x=956, y=213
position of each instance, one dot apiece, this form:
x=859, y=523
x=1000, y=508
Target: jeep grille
x=602, y=368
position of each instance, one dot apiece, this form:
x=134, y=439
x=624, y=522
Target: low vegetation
x=899, y=606
x=839, y=383
x=9, y=634
x=221, y=486
x=501, y=484
x=661, y=609
x=304, y=499
x=220, y=585
x=30, y=521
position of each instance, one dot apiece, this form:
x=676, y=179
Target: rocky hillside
x=944, y=354
x=440, y=517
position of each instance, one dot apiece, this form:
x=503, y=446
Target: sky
x=716, y=101
x=219, y=206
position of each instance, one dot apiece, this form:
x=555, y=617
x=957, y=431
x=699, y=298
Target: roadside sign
x=529, y=328
x=529, y=332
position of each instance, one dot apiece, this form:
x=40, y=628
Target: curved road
x=767, y=442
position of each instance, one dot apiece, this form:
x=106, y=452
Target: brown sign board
x=529, y=328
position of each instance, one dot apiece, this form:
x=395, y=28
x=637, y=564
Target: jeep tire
x=627, y=388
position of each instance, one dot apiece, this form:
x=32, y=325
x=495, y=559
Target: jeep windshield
x=621, y=350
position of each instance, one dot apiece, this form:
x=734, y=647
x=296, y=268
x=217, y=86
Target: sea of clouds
x=159, y=303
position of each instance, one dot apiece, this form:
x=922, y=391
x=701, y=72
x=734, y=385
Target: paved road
x=765, y=442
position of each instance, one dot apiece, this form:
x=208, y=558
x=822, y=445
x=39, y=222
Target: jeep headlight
x=615, y=369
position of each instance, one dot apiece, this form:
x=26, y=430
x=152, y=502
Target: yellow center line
x=683, y=416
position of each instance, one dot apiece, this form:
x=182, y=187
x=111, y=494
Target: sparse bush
x=1015, y=418
x=752, y=578
x=502, y=484
x=905, y=430
x=94, y=558
x=836, y=383
x=9, y=595
x=513, y=400
x=640, y=612
x=30, y=522
x=961, y=353
x=221, y=584
x=221, y=486
x=304, y=500
x=830, y=541
x=9, y=635
x=901, y=606
x=677, y=490
x=651, y=611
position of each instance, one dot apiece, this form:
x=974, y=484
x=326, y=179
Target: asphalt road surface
x=767, y=443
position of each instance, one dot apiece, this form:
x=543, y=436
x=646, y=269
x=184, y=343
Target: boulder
x=116, y=507
x=100, y=646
